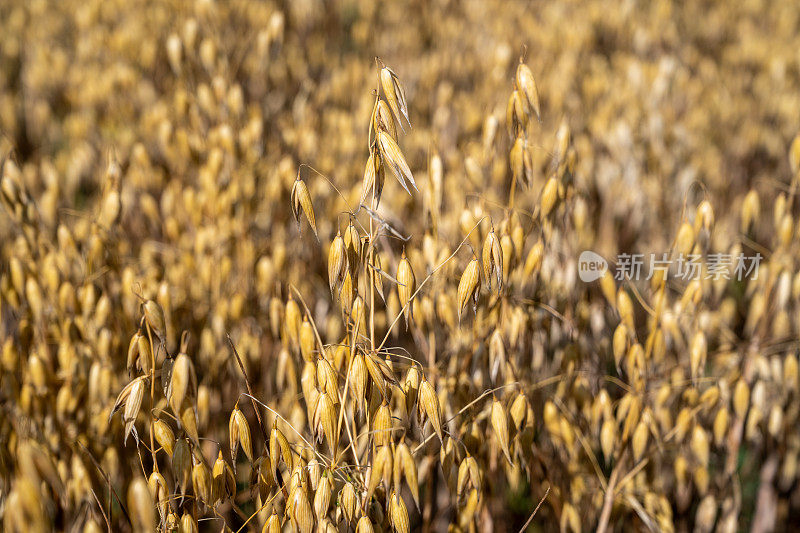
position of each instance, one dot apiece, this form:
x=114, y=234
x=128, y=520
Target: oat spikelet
x=404, y=464
x=325, y=420
x=406, y=286
x=794, y=155
x=140, y=503
x=301, y=514
x=499, y=419
x=374, y=176
x=364, y=525
x=392, y=156
x=398, y=514
x=376, y=273
x=201, y=482
x=154, y=315
x=337, y=257
x=348, y=502
x=130, y=401
x=394, y=95
x=164, y=435
x=469, y=286
x=301, y=200
x=322, y=497
x=527, y=86
x=239, y=434
x=382, y=425
x=382, y=119
x=429, y=406
x=492, y=260
x=516, y=117
x=358, y=379
x=223, y=482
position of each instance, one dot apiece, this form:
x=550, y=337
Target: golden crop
x=218, y=314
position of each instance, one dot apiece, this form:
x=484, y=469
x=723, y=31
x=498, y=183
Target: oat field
x=441, y=266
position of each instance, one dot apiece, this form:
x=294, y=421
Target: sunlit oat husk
x=188, y=524
x=336, y=262
x=154, y=315
x=404, y=464
x=382, y=119
x=201, y=482
x=406, y=286
x=376, y=273
x=411, y=388
x=164, y=435
x=158, y=490
x=359, y=377
x=393, y=157
x=140, y=504
x=182, y=383
x=239, y=434
x=549, y=196
x=527, y=86
x=469, y=286
x=348, y=502
x=301, y=201
x=398, y=514
x=322, y=497
x=394, y=95
x=379, y=372
x=429, y=406
x=364, y=525
x=492, y=261
x=279, y=447
x=325, y=420
x=130, y=401
x=516, y=117
x=223, y=483
x=499, y=419
x=273, y=524
x=794, y=155
x=302, y=515
x=352, y=246
x=307, y=340
x=381, y=469
x=382, y=425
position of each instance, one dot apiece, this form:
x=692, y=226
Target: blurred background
x=198, y=115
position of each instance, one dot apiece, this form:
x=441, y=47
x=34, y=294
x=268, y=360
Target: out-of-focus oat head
x=445, y=266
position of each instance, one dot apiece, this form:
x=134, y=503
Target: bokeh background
x=199, y=115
